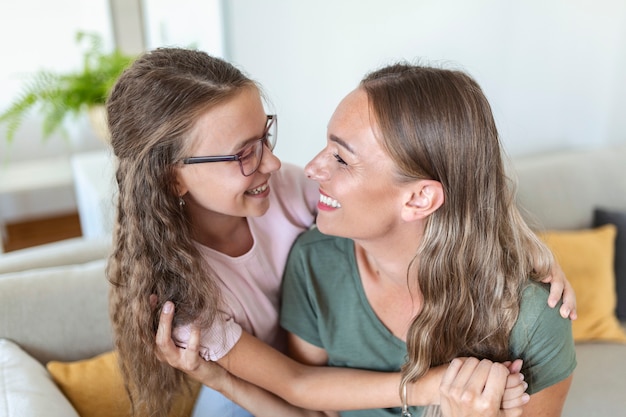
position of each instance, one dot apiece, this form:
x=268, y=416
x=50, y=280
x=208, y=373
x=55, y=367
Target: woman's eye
x=339, y=159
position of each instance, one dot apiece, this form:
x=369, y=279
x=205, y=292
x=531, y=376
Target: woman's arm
x=470, y=387
x=549, y=401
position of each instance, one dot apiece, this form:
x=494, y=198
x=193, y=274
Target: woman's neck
x=393, y=293
x=391, y=256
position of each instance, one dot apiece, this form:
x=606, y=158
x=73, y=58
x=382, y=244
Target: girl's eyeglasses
x=250, y=157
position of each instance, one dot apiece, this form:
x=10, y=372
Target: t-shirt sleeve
x=299, y=309
x=543, y=339
x=297, y=194
x=216, y=341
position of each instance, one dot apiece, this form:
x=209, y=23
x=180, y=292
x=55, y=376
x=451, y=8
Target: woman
x=420, y=240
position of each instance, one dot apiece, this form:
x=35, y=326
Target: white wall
x=553, y=70
x=40, y=34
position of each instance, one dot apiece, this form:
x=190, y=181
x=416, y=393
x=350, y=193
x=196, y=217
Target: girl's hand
x=187, y=359
x=561, y=288
x=473, y=388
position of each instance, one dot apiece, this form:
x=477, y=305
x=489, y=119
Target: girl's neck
x=228, y=235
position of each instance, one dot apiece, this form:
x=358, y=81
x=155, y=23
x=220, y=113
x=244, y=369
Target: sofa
x=53, y=298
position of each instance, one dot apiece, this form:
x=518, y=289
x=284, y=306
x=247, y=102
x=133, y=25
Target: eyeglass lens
x=251, y=157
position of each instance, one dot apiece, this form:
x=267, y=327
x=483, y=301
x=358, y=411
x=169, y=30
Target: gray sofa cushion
x=561, y=190
x=65, y=252
x=57, y=313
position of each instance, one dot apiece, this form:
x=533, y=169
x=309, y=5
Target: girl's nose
x=269, y=161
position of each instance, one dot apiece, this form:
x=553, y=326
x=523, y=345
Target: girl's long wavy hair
x=477, y=253
x=151, y=110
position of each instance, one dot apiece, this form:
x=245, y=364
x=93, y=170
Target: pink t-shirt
x=251, y=283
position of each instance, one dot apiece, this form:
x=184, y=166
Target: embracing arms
x=310, y=387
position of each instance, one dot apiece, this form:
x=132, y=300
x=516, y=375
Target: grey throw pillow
x=618, y=218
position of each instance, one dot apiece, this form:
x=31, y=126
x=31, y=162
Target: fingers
x=451, y=373
x=560, y=288
x=515, y=393
x=164, y=342
x=154, y=299
x=568, y=309
x=495, y=385
x=483, y=388
x=473, y=387
x=187, y=357
x=192, y=356
x=556, y=289
x=515, y=366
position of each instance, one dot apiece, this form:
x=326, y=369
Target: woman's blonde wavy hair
x=477, y=253
x=151, y=110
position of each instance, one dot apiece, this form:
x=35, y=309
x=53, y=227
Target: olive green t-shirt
x=324, y=303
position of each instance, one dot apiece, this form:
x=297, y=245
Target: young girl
x=206, y=219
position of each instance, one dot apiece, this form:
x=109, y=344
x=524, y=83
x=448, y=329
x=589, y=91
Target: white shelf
x=38, y=174
x=26, y=188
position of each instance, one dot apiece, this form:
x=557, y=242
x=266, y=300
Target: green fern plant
x=59, y=96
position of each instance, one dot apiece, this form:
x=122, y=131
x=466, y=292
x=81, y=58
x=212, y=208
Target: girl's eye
x=246, y=152
x=339, y=159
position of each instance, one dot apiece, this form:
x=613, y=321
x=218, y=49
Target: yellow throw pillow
x=586, y=257
x=96, y=389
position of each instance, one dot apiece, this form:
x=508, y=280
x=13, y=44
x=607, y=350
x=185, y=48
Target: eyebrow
x=245, y=142
x=343, y=143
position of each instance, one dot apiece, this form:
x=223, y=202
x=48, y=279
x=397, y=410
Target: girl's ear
x=423, y=198
x=181, y=188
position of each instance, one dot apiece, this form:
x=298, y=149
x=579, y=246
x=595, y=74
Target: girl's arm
x=251, y=397
x=310, y=387
x=560, y=287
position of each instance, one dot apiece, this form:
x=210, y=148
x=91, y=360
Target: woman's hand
x=473, y=388
x=561, y=288
x=187, y=359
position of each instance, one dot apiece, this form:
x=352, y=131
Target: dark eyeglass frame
x=264, y=140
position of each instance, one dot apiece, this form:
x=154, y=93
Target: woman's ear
x=423, y=198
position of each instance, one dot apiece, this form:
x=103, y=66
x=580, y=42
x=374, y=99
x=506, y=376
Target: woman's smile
x=327, y=203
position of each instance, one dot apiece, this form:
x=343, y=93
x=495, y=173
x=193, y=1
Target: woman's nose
x=317, y=169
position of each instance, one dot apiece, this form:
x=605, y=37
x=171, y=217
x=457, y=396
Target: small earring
x=181, y=202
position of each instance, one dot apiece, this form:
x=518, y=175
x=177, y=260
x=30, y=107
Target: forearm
x=323, y=387
x=256, y=400
x=549, y=401
x=352, y=389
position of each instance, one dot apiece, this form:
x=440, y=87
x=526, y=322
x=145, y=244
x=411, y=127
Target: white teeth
x=324, y=199
x=259, y=190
